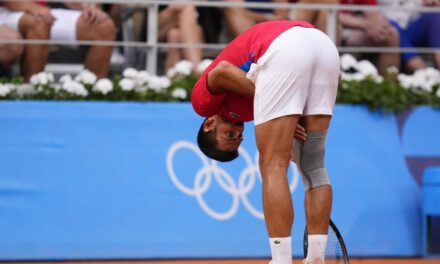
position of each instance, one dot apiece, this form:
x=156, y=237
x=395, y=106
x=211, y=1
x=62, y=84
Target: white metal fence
x=152, y=45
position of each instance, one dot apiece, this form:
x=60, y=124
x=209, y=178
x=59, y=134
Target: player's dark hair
x=208, y=145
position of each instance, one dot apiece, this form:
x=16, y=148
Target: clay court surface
x=240, y=261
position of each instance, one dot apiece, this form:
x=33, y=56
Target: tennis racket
x=335, y=252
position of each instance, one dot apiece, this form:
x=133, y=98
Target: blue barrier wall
x=125, y=180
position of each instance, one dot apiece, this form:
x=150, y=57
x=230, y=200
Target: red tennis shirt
x=244, y=50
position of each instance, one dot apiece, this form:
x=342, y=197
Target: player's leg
x=309, y=154
x=318, y=198
x=274, y=139
x=282, y=80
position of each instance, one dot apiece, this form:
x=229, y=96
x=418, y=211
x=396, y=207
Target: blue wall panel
x=125, y=180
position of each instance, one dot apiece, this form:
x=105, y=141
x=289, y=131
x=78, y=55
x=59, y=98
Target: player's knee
x=309, y=156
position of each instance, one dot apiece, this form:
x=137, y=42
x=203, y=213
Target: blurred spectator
x=34, y=20
x=9, y=53
x=34, y=24
x=317, y=18
x=416, y=29
x=238, y=19
x=178, y=24
x=369, y=28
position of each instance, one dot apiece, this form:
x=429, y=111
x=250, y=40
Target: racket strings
x=333, y=252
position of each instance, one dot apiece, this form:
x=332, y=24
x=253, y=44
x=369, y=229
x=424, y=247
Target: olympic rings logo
x=212, y=171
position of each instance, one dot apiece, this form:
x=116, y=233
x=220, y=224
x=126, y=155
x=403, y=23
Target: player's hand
x=42, y=14
x=300, y=133
x=94, y=15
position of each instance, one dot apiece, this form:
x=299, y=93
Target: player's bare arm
x=226, y=77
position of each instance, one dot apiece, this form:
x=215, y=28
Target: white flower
x=203, y=65
x=426, y=86
x=65, y=78
x=171, y=73
x=103, y=86
x=142, y=78
x=41, y=78
x=179, y=93
x=127, y=84
x=25, y=88
x=165, y=82
x=184, y=67
x=86, y=77
x=432, y=74
x=5, y=89
x=75, y=88
x=50, y=77
x=140, y=89
x=425, y=79
x=130, y=73
x=57, y=86
x=348, y=61
x=367, y=68
x=378, y=79
x=345, y=76
x=392, y=70
x=406, y=81
x=357, y=76
x=157, y=83
x=438, y=93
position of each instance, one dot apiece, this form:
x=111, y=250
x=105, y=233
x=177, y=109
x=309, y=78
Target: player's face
x=229, y=135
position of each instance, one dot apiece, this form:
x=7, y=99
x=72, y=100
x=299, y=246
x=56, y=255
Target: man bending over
x=279, y=74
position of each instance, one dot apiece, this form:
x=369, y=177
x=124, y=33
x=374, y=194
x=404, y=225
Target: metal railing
x=152, y=45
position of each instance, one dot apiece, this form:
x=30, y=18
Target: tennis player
x=284, y=76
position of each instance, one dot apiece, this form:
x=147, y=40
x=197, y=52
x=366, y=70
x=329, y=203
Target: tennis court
x=240, y=261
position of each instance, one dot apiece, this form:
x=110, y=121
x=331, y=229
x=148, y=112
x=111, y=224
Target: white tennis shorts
x=64, y=27
x=298, y=74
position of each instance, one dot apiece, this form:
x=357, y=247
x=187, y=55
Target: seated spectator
x=314, y=17
x=36, y=21
x=416, y=30
x=9, y=53
x=238, y=19
x=34, y=24
x=178, y=24
x=370, y=28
